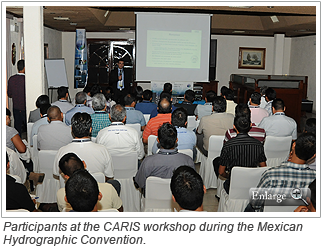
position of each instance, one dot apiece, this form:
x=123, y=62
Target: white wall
x=303, y=62
x=54, y=40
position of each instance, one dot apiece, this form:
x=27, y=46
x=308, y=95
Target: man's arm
x=262, y=164
x=222, y=171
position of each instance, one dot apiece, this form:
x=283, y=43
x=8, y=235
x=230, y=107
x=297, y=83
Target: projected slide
x=170, y=49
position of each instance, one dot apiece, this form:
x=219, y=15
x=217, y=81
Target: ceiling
x=257, y=20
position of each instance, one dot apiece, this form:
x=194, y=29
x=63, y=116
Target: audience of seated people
x=133, y=116
x=205, y=109
x=62, y=101
x=100, y=119
x=146, y=106
x=187, y=103
x=34, y=115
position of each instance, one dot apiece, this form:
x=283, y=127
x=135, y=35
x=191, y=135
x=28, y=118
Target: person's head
x=62, y=92
x=120, y=64
x=99, y=102
x=80, y=98
x=165, y=95
x=219, y=104
x=69, y=163
x=164, y=106
x=82, y=191
x=87, y=90
x=210, y=96
x=242, y=124
x=8, y=117
x=147, y=95
x=305, y=146
x=41, y=100
x=81, y=125
x=167, y=87
x=95, y=89
x=167, y=136
x=187, y=188
x=270, y=94
x=129, y=100
x=44, y=108
x=54, y=113
x=138, y=93
x=117, y=113
x=179, y=117
x=189, y=95
x=278, y=105
x=223, y=90
x=255, y=98
x=21, y=66
x=229, y=94
x=310, y=125
x=263, y=90
x=242, y=110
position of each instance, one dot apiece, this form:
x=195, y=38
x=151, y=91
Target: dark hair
x=95, y=89
x=189, y=95
x=310, y=125
x=44, y=108
x=187, y=188
x=255, y=97
x=270, y=93
x=179, y=117
x=223, y=90
x=61, y=92
x=8, y=112
x=138, y=92
x=229, y=94
x=242, y=110
x=81, y=124
x=167, y=87
x=87, y=89
x=312, y=187
x=210, y=95
x=242, y=124
x=82, y=191
x=69, y=163
x=219, y=104
x=305, y=146
x=129, y=99
x=278, y=104
x=167, y=135
x=165, y=95
x=164, y=106
x=80, y=97
x=147, y=94
x=41, y=100
x=20, y=65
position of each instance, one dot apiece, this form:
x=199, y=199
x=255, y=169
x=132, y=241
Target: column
x=278, y=54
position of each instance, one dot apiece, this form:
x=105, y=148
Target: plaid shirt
x=100, y=120
x=287, y=175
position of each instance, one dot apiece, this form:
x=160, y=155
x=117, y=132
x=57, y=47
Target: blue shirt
x=134, y=117
x=146, y=107
x=155, y=112
x=77, y=108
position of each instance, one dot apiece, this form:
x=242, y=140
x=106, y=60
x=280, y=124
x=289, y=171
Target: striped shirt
x=155, y=123
x=100, y=120
x=254, y=132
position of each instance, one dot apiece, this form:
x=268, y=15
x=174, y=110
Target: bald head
x=54, y=113
x=164, y=106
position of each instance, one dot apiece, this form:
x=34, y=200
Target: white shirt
x=230, y=107
x=63, y=105
x=96, y=156
x=120, y=139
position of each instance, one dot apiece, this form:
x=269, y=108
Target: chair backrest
x=158, y=188
x=35, y=145
x=46, y=162
x=125, y=166
x=137, y=127
x=146, y=117
x=99, y=177
x=93, y=139
x=191, y=123
x=187, y=152
x=29, y=128
x=277, y=147
x=215, y=145
x=242, y=179
x=151, y=141
x=108, y=210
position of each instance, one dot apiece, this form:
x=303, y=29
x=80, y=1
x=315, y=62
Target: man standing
x=17, y=91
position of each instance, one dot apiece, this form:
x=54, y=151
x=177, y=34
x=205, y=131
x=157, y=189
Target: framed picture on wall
x=251, y=58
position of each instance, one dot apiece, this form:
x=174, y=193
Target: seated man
x=68, y=164
x=80, y=100
x=270, y=95
x=279, y=125
x=228, y=94
x=294, y=173
x=163, y=95
x=62, y=101
x=215, y=124
x=34, y=115
x=206, y=109
x=165, y=161
x=56, y=134
x=133, y=116
x=100, y=118
x=146, y=106
x=187, y=189
x=243, y=151
x=95, y=155
x=117, y=138
x=43, y=113
x=257, y=113
x=82, y=192
x=187, y=103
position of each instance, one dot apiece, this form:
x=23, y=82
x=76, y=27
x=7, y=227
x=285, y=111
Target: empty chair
x=151, y=141
x=137, y=127
x=242, y=179
x=207, y=172
x=48, y=189
x=277, y=149
x=146, y=117
x=187, y=152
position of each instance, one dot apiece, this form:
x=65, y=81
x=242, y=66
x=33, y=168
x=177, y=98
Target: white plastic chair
x=35, y=153
x=158, y=196
x=29, y=128
x=146, y=117
x=93, y=139
x=242, y=179
x=151, y=141
x=277, y=149
x=16, y=166
x=206, y=171
x=187, y=152
x=191, y=123
x=137, y=127
x=99, y=177
x=48, y=189
x=125, y=168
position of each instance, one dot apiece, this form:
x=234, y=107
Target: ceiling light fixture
x=274, y=19
x=73, y=23
x=238, y=31
x=106, y=13
x=60, y=18
x=241, y=7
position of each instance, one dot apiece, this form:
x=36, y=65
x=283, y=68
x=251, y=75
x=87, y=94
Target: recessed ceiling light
x=238, y=31
x=60, y=18
x=124, y=28
x=73, y=23
x=274, y=19
x=241, y=7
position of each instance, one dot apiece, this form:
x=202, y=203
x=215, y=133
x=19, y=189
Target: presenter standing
x=120, y=79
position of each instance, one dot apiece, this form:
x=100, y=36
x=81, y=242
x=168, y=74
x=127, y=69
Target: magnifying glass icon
x=296, y=194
